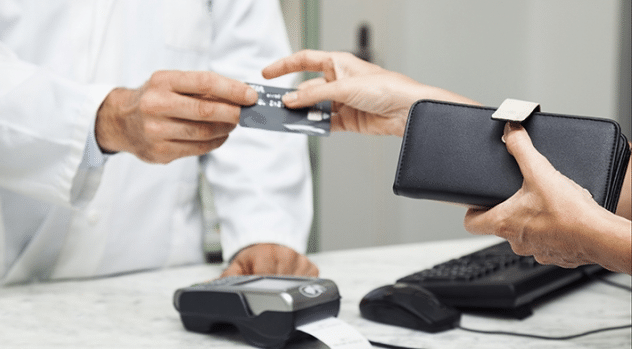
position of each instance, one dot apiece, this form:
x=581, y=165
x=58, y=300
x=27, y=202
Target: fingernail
x=290, y=97
x=506, y=131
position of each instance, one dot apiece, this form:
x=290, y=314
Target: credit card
x=269, y=113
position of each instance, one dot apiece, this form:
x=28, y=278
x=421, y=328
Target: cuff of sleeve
x=93, y=157
x=87, y=178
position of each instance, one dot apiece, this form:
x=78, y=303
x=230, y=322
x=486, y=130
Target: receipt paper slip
x=336, y=334
x=269, y=113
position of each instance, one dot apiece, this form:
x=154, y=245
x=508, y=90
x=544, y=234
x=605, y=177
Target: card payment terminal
x=266, y=309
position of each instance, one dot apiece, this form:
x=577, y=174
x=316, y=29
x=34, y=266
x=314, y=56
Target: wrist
x=109, y=121
x=609, y=241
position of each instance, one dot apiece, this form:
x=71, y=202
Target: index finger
x=208, y=83
x=178, y=106
x=475, y=221
x=305, y=60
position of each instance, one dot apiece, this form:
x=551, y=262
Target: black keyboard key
x=495, y=278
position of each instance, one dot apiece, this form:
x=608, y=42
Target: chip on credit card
x=269, y=113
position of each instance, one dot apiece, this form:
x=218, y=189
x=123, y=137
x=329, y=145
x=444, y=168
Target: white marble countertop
x=136, y=310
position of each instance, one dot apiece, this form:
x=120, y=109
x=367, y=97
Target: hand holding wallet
x=453, y=152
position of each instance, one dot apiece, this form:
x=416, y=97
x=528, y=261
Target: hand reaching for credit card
x=367, y=98
x=173, y=115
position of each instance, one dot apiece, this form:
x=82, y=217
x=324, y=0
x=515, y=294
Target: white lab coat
x=61, y=217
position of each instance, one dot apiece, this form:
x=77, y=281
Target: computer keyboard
x=497, y=280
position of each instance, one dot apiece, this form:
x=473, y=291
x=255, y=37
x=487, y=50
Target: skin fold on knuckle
x=206, y=109
x=188, y=131
x=203, y=131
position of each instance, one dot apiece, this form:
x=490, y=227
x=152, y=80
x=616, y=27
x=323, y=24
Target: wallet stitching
x=458, y=105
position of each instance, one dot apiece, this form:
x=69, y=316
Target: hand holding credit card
x=269, y=113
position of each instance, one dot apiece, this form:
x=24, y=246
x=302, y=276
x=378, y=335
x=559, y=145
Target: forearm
x=439, y=94
x=41, y=152
x=609, y=242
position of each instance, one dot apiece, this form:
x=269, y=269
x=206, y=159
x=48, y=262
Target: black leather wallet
x=453, y=152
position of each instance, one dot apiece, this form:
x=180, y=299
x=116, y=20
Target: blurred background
x=571, y=56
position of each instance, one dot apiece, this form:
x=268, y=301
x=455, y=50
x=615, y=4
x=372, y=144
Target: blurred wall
x=564, y=54
x=293, y=17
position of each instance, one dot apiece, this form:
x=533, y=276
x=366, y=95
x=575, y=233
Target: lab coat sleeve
x=44, y=125
x=261, y=180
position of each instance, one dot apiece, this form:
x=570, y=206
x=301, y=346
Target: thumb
x=519, y=145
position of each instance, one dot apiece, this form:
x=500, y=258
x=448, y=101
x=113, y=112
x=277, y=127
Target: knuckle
x=304, y=54
x=206, y=109
x=201, y=131
x=206, y=80
x=214, y=131
x=503, y=228
x=185, y=131
x=161, y=154
x=346, y=55
x=503, y=225
x=149, y=103
x=202, y=148
x=152, y=128
x=148, y=156
x=158, y=77
x=154, y=153
x=302, y=58
x=519, y=249
x=543, y=259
